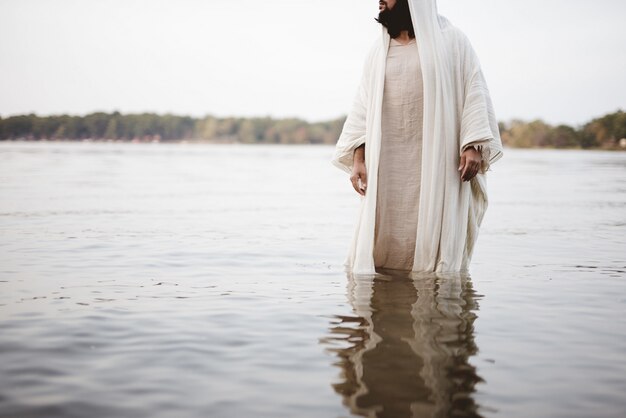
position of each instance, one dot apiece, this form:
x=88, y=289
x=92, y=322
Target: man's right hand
x=359, y=172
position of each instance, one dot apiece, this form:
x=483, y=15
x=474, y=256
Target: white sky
x=559, y=60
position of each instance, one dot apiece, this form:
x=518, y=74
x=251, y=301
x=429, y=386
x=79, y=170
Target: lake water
x=186, y=280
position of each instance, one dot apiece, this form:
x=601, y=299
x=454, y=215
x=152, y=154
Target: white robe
x=458, y=112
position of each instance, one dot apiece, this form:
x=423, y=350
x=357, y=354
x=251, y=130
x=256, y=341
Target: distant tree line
x=168, y=127
x=608, y=131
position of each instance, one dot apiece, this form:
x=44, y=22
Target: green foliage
x=604, y=132
x=168, y=127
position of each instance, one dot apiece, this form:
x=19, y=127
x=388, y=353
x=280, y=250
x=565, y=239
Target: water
x=154, y=280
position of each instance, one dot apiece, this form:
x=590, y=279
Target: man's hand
x=470, y=163
x=359, y=172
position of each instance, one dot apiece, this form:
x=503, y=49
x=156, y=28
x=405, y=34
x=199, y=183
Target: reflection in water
x=405, y=352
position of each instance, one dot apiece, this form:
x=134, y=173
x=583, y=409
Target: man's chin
x=383, y=15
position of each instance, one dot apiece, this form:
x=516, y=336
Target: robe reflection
x=405, y=352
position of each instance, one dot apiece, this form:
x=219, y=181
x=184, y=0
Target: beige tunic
x=399, y=170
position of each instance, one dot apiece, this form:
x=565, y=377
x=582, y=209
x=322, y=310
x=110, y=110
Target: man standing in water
x=417, y=144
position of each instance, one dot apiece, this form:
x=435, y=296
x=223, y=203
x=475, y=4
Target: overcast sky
x=559, y=60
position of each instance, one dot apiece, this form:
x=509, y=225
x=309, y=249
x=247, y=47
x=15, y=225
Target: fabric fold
x=354, y=128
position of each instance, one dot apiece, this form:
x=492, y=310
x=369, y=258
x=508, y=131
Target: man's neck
x=404, y=37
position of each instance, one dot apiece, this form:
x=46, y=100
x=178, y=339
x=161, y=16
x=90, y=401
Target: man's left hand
x=470, y=163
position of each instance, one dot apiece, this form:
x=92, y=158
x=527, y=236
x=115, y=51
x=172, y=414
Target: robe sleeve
x=353, y=132
x=479, y=125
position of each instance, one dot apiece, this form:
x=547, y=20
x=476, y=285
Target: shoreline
x=236, y=142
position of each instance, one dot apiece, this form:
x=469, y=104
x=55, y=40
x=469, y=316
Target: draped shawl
x=458, y=112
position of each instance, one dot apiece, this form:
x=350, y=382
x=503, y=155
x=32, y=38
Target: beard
x=397, y=19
